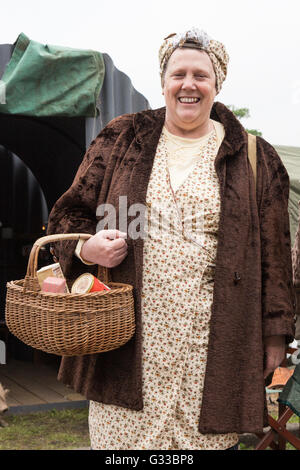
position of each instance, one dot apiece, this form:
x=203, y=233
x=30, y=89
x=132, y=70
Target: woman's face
x=189, y=88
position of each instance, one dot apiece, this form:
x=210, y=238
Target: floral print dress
x=178, y=279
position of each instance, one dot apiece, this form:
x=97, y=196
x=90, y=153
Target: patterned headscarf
x=200, y=40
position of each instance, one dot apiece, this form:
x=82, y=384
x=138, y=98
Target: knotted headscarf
x=200, y=40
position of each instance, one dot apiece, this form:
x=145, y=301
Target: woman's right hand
x=106, y=248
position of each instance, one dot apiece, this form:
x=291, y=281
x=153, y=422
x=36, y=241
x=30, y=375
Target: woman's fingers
x=274, y=353
x=117, y=244
x=112, y=234
x=115, y=260
x=106, y=248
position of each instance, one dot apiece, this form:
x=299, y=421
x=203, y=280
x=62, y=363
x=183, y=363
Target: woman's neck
x=192, y=133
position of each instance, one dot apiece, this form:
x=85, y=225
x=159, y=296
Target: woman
x=211, y=268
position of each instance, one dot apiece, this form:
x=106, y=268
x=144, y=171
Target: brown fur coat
x=253, y=295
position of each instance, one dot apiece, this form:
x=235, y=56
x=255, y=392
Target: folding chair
x=288, y=404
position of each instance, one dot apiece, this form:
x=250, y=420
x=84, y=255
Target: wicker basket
x=69, y=324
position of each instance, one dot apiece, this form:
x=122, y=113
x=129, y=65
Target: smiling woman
x=212, y=274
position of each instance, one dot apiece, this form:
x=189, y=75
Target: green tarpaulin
x=290, y=157
x=44, y=80
x=290, y=396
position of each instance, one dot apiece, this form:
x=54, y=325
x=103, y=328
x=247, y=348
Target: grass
x=51, y=430
x=244, y=447
x=59, y=430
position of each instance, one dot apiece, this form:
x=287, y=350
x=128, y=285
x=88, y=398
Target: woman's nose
x=188, y=83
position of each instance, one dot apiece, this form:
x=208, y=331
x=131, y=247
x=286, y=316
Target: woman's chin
x=187, y=117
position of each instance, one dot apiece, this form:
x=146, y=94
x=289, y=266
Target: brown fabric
x=296, y=277
x=253, y=294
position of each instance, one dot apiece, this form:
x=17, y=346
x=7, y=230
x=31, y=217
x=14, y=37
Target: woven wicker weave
x=69, y=324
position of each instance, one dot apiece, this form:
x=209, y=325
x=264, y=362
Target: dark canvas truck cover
x=43, y=138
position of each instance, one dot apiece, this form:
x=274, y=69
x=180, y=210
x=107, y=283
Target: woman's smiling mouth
x=188, y=100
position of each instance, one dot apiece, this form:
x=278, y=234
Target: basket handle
x=33, y=257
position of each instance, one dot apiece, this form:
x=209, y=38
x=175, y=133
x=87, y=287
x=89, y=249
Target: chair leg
x=267, y=440
x=278, y=428
x=281, y=439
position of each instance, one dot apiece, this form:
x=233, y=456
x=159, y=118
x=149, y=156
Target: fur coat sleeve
x=75, y=210
x=275, y=246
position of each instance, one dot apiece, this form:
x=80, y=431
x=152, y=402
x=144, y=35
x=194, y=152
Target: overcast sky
x=262, y=38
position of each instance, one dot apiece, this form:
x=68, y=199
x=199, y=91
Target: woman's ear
x=162, y=83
